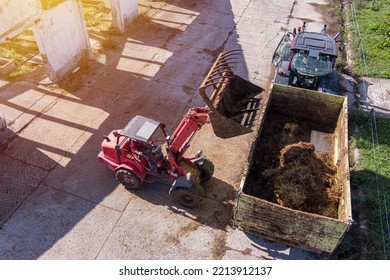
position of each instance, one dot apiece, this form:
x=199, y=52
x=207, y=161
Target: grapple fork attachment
x=229, y=97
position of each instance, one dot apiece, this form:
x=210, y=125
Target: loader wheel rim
x=129, y=179
x=187, y=198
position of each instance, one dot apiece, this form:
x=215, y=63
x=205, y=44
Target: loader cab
x=140, y=128
x=138, y=144
x=145, y=135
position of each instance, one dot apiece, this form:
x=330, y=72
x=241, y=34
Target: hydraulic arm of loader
x=185, y=132
x=229, y=97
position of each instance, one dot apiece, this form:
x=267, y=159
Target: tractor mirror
x=106, y=137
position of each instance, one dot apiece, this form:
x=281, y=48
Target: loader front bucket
x=232, y=100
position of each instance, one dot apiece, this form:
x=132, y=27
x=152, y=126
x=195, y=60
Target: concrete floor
x=67, y=205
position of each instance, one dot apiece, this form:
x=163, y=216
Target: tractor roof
x=140, y=128
x=320, y=42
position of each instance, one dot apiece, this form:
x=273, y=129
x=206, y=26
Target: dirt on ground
x=288, y=171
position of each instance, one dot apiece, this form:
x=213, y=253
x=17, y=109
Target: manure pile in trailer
x=288, y=170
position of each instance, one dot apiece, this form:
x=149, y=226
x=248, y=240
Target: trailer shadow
x=278, y=251
x=370, y=197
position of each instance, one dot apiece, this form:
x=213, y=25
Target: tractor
x=307, y=60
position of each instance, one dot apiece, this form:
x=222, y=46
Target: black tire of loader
x=128, y=179
x=206, y=169
x=188, y=197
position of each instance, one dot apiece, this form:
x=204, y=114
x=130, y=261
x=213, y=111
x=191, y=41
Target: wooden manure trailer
x=307, y=206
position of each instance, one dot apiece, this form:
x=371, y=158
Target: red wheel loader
x=135, y=155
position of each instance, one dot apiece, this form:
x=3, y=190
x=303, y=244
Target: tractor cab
x=307, y=60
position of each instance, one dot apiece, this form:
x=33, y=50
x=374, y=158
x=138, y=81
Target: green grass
x=10, y=53
x=370, y=175
x=370, y=184
x=21, y=70
x=90, y=16
x=18, y=50
x=374, y=24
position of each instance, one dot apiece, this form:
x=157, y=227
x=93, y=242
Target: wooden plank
x=294, y=228
x=342, y=157
x=321, y=108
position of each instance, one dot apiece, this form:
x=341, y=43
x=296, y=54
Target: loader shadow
x=215, y=209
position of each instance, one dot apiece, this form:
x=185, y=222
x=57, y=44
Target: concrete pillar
x=16, y=16
x=62, y=38
x=15, y=12
x=123, y=13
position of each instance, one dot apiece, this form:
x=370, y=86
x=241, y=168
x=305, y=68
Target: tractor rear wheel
x=188, y=197
x=128, y=179
x=206, y=169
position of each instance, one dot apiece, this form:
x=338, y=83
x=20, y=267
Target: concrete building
x=59, y=29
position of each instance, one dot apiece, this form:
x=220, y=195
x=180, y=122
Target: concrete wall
x=123, y=13
x=16, y=14
x=59, y=29
x=62, y=38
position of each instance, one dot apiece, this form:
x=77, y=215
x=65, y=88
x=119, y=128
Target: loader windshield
x=311, y=63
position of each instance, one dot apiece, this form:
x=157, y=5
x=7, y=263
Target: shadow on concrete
x=18, y=178
x=67, y=185
x=278, y=251
x=363, y=94
x=372, y=97
x=215, y=210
